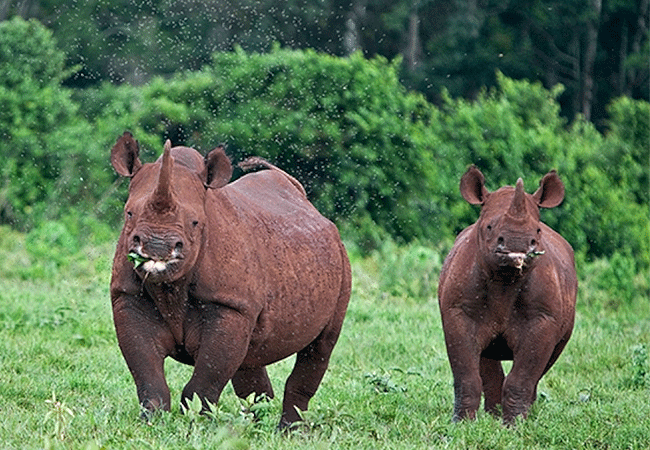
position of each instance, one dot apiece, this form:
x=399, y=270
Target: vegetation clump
x=379, y=160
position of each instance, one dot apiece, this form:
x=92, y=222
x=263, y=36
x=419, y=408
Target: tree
x=53, y=160
x=597, y=50
x=345, y=127
x=125, y=41
x=515, y=130
x=31, y=69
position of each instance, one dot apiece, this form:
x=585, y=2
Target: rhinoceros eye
x=195, y=223
x=129, y=214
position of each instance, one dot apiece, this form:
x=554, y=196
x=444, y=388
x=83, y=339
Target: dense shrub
x=50, y=158
x=511, y=131
x=515, y=130
x=379, y=160
x=609, y=180
x=346, y=128
x=33, y=106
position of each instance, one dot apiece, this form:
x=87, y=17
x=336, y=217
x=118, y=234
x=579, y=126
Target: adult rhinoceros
x=226, y=277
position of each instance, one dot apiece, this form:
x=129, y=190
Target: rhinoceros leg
x=309, y=369
x=224, y=343
x=467, y=391
x=530, y=362
x=141, y=338
x=492, y=377
x=249, y=380
x=464, y=359
x=312, y=361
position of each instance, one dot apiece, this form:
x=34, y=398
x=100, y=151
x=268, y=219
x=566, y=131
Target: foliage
x=612, y=283
x=456, y=45
x=515, y=130
x=407, y=271
x=611, y=179
x=380, y=161
x=641, y=371
x=459, y=45
x=345, y=128
x=377, y=159
x=50, y=162
x=627, y=153
x=60, y=415
x=120, y=40
x=510, y=131
x=33, y=108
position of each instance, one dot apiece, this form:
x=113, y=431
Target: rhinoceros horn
x=518, y=205
x=162, y=196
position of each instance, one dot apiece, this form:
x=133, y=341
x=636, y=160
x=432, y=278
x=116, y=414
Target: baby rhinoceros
x=227, y=277
x=507, y=291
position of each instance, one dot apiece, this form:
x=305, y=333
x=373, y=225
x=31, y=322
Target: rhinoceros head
x=164, y=214
x=509, y=228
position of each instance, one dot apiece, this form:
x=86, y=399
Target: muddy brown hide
x=507, y=291
x=226, y=277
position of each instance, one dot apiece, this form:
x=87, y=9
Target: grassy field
x=64, y=384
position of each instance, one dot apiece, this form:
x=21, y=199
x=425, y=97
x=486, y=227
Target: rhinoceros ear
x=472, y=186
x=550, y=192
x=218, y=169
x=125, y=155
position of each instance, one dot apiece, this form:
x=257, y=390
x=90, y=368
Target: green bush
x=611, y=284
x=617, y=280
x=409, y=271
x=511, y=131
x=625, y=159
x=606, y=211
x=31, y=70
x=345, y=127
x=50, y=158
x=627, y=154
x=515, y=130
x=380, y=161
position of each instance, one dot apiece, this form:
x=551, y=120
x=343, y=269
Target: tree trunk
x=633, y=75
x=23, y=8
x=621, y=85
x=575, y=84
x=352, y=36
x=414, y=46
x=589, y=59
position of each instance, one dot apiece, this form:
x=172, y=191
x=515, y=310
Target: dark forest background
x=597, y=49
x=377, y=107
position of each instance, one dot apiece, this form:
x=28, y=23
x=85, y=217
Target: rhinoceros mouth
x=153, y=265
x=518, y=260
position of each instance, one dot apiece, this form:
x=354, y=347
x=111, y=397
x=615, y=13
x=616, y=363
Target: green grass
x=64, y=384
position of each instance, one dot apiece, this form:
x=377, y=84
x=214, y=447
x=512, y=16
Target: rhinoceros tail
x=254, y=163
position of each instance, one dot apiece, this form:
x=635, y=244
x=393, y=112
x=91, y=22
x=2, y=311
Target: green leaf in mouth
x=534, y=254
x=136, y=259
